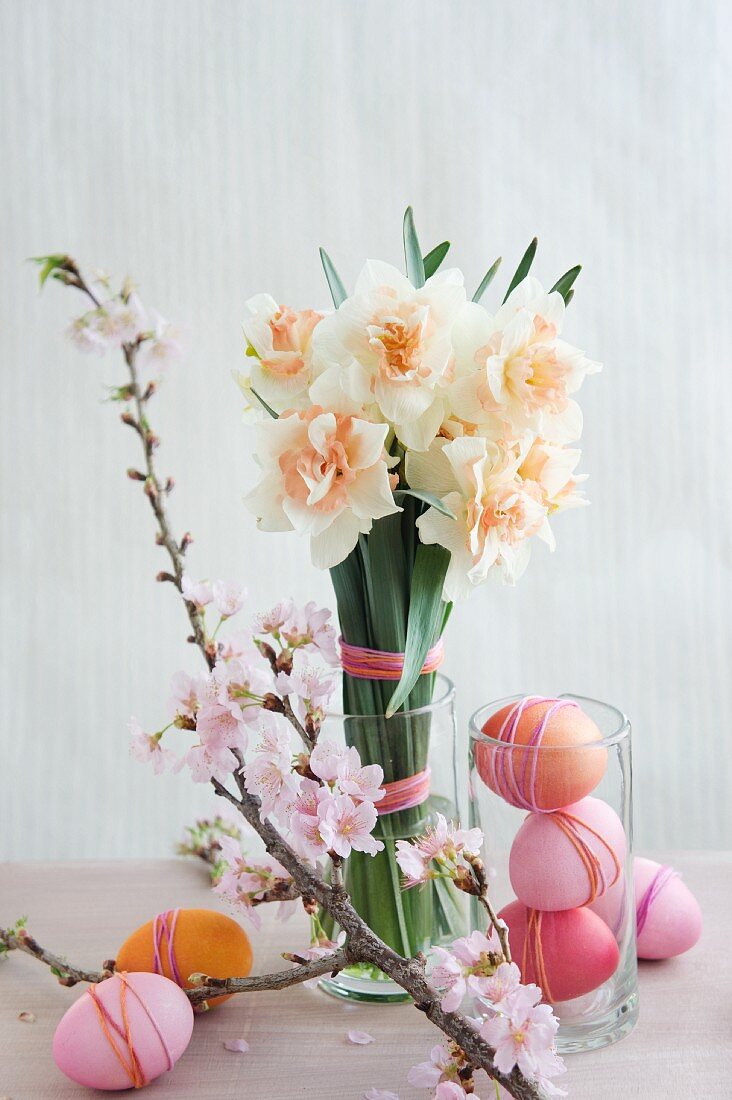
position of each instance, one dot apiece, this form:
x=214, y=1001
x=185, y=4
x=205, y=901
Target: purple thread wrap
x=662, y=876
x=502, y=765
x=164, y=925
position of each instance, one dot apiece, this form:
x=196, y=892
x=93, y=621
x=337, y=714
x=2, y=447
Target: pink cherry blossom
x=308, y=628
x=275, y=621
x=148, y=749
x=244, y=881
x=228, y=597
x=212, y=761
x=86, y=337
x=346, y=826
x=450, y=1090
x=326, y=759
x=242, y=684
x=447, y=976
x=439, y=852
x=183, y=694
x=524, y=1037
x=309, y=836
x=311, y=686
x=427, y=1075
x=498, y=989
x=160, y=349
x=362, y=783
x=196, y=592
x=269, y=775
x=119, y=322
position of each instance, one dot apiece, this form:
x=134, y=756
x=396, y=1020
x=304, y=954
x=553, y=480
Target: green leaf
x=263, y=403
x=524, y=267
x=49, y=264
x=428, y=498
x=426, y=613
x=570, y=296
x=337, y=290
x=433, y=259
x=487, y=280
x=412, y=251
x=564, y=284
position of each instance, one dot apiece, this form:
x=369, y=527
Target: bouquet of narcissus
x=421, y=442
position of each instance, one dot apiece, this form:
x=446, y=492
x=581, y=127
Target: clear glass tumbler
x=568, y=858
x=417, y=742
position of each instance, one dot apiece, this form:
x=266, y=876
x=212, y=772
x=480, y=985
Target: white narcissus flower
x=495, y=511
x=325, y=475
x=280, y=370
x=390, y=347
x=513, y=372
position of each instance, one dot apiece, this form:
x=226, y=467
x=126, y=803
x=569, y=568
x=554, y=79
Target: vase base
x=591, y=1022
x=363, y=985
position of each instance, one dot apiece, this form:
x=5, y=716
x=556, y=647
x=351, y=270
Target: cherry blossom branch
x=362, y=944
x=18, y=939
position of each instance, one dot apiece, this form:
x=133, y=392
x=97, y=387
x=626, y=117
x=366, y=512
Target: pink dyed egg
x=668, y=917
x=567, y=954
x=568, y=858
x=124, y=1032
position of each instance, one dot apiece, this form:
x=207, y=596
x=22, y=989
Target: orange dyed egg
x=181, y=942
x=552, y=755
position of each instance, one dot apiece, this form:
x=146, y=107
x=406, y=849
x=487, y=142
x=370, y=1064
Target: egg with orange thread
x=182, y=942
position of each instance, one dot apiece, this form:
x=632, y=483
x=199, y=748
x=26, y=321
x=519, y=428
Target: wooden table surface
x=681, y=1047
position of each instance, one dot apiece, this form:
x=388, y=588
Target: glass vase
x=567, y=850
x=405, y=745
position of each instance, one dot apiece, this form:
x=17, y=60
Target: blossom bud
x=150, y=489
x=163, y=576
x=273, y=702
x=152, y=440
x=169, y=485
x=149, y=391
x=136, y=475
x=128, y=418
x=185, y=542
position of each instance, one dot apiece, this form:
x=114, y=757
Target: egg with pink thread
x=567, y=954
x=551, y=753
x=124, y=1032
x=668, y=917
x=567, y=858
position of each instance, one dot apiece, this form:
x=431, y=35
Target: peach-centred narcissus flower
x=279, y=352
x=513, y=373
x=389, y=349
x=495, y=512
x=325, y=475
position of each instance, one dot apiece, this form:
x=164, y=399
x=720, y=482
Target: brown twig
x=20, y=940
x=282, y=979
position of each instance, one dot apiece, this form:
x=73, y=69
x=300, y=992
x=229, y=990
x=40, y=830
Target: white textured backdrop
x=210, y=147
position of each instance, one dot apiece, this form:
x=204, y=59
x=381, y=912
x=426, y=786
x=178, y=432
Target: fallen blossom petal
x=360, y=1038
x=237, y=1046
x=380, y=1094
x=27, y=1017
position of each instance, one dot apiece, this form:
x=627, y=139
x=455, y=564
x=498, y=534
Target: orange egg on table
x=181, y=942
x=553, y=754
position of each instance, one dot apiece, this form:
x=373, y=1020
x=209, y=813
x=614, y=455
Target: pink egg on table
x=568, y=858
x=124, y=1032
x=668, y=917
x=567, y=954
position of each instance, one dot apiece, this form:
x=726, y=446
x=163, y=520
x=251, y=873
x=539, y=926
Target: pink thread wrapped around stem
x=378, y=664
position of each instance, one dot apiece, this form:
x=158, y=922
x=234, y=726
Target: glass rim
x=619, y=733
x=442, y=682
